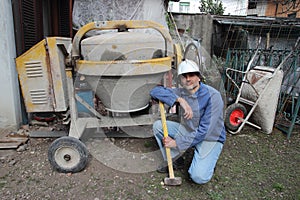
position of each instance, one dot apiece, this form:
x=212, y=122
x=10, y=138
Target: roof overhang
x=257, y=21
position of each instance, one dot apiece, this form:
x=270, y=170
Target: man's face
x=190, y=81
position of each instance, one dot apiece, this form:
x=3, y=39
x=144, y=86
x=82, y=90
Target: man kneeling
x=201, y=125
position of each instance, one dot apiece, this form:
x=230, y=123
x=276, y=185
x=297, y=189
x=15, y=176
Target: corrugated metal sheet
x=258, y=21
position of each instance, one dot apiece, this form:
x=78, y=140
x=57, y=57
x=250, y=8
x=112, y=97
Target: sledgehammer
x=171, y=180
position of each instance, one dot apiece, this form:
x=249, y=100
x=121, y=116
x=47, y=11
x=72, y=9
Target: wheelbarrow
x=257, y=97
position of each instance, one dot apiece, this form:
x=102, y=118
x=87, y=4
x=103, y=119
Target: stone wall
x=197, y=26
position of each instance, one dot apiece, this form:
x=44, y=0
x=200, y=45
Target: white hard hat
x=187, y=66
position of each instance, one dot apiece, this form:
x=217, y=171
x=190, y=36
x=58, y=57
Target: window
x=170, y=6
x=184, y=7
x=36, y=19
x=252, y=4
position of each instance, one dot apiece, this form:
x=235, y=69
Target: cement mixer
x=118, y=62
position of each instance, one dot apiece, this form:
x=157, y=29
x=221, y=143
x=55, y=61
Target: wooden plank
x=10, y=145
x=12, y=142
x=46, y=134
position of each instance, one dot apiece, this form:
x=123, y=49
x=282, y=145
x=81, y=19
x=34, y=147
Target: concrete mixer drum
x=122, y=67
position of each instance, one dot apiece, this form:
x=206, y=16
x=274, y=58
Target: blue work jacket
x=207, y=122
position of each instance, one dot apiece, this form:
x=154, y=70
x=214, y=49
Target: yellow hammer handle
x=165, y=129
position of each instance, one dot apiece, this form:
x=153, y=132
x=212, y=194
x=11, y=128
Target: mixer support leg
x=76, y=128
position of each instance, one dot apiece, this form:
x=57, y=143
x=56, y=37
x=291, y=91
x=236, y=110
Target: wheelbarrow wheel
x=233, y=115
x=68, y=154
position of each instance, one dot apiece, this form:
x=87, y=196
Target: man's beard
x=190, y=87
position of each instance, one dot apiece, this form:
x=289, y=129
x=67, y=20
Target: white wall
x=10, y=112
x=193, y=8
x=260, y=9
x=232, y=7
x=235, y=7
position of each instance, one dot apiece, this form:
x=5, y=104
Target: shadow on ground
x=253, y=165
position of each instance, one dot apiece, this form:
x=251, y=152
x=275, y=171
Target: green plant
x=212, y=7
x=148, y=144
x=169, y=21
x=215, y=195
x=2, y=184
x=278, y=187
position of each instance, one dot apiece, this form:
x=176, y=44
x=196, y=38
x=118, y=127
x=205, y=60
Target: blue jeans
x=206, y=153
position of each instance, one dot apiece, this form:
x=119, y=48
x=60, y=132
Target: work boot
x=177, y=165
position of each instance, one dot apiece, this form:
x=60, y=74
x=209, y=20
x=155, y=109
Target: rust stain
x=69, y=73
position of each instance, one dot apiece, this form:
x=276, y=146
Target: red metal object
x=235, y=117
x=44, y=117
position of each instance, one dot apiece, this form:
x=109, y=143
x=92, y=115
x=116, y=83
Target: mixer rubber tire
x=232, y=115
x=68, y=155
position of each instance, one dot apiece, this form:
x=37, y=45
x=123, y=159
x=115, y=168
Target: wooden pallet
x=12, y=142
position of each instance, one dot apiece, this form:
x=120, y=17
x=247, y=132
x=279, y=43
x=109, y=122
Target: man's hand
x=169, y=142
x=188, y=113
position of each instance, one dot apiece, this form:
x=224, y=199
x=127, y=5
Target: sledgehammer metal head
x=173, y=181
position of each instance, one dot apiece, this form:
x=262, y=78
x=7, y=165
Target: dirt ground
x=253, y=165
